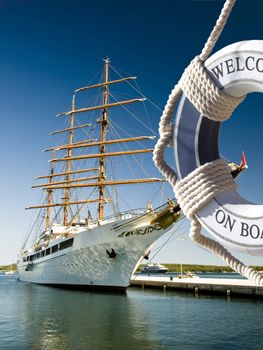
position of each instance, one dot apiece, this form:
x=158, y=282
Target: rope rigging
x=54, y=197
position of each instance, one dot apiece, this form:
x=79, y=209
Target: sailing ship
x=74, y=248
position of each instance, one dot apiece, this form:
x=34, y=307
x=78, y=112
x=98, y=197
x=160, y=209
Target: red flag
x=243, y=163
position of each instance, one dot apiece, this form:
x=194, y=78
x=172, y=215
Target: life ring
x=230, y=218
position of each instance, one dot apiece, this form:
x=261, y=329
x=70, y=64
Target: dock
x=198, y=285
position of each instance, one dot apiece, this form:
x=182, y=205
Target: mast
x=103, y=124
x=49, y=193
x=101, y=182
x=68, y=164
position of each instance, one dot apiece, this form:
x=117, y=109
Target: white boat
x=74, y=247
x=154, y=268
x=188, y=274
x=9, y=272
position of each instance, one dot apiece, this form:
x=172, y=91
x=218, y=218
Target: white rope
x=205, y=95
x=166, y=136
x=203, y=184
x=218, y=28
x=211, y=179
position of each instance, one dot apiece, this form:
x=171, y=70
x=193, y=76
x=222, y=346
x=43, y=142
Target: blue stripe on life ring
x=193, y=132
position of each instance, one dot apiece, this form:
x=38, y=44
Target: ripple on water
x=38, y=317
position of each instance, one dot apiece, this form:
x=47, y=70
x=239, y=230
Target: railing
x=149, y=211
x=123, y=215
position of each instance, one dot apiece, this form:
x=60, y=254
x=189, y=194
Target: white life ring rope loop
x=205, y=95
x=200, y=181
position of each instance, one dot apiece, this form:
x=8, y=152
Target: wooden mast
x=70, y=182
x=105, y=105
x=88, y=143
x=103, y=124
x=65, y=173
x=105, y=83
x=68, y=166
x=68, y=129
x=105, y=183
x=105, y=154
x=49, y=193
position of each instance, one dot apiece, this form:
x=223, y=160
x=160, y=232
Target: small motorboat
x=154, y=268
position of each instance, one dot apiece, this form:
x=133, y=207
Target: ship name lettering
x=140, y=232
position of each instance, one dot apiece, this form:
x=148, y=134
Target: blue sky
x=48, y=48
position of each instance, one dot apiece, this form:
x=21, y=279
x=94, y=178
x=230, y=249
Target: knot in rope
x=199, y=87
x=203, y=184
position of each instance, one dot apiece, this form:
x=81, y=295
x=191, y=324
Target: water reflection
x=61, y=319
x=37, y=317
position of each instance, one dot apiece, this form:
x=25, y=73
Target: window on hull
x=66, y=244
x=62, y=245
x=54, y=249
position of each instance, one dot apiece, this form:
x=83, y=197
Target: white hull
x=87, y=264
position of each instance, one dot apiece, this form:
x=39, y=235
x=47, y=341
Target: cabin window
x=66, y=244
x=42, y=253
x=54, y=249
x=48, y=251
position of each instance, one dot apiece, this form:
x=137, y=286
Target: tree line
x=199, y=268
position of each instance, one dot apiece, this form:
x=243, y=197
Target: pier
x=197, y=285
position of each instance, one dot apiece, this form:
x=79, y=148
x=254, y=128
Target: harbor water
x=38, y=317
